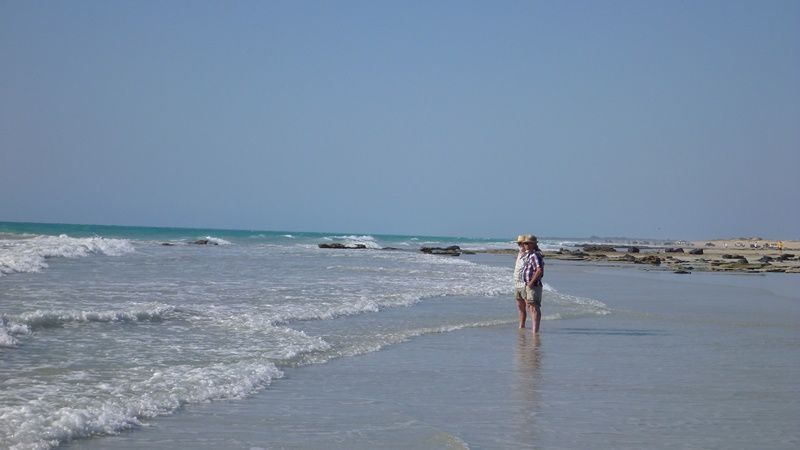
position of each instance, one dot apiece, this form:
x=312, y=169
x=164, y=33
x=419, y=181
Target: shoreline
x=718, y=255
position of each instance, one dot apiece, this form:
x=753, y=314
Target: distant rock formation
x=729, y=256
x=696, y=251
x=337, y=245
x=649, y=259
x=453, y=250
x=599, y=248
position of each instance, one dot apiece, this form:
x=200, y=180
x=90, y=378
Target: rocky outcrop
x=204, y=242
x=649, y=259
x=673, y=250
x=729, y=256
x=453, y=250
x=696, y=251
x=338, y=245
x=633, y=250
x=599, y=248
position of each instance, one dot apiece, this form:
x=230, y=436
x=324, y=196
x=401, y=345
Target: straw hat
x=521, y=238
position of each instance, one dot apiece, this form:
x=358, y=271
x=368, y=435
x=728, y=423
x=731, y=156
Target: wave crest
x=30, y=254
x=26, y=323
x=366, y=240
x=45, y=423
x=217, y=241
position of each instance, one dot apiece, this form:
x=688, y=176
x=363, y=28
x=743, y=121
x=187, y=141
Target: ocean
x=109, y=337
x=105, y=327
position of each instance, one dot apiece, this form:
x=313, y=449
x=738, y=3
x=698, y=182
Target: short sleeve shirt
x=533, y=261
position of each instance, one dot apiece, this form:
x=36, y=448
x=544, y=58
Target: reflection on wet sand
x=527, y=387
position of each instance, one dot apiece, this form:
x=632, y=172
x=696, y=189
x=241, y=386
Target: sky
x=661, y=119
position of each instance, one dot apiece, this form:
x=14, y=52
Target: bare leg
x=536, y=316
x=522, y=314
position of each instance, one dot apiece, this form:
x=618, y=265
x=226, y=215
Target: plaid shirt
x=533, y=261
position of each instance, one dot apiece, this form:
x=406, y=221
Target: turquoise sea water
x=178, y=234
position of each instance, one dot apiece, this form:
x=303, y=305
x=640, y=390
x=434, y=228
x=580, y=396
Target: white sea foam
x=30, y=254
x=576, y=306
x=53, y=318
x=10, y=328
x=286, y=343
x=383, y=340
x=6, y=339
x=57, y=416
x=366, y=240
x=216, y=240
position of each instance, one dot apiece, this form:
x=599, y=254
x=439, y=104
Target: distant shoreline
x=716, y=255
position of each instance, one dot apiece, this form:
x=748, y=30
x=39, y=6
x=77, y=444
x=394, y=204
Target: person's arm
x=537, y=275
x=537, y=271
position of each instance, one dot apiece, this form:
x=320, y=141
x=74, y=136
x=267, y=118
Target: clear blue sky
x=636, y=118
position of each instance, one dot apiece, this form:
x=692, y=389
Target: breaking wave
x=31, y=254
x=145, y=393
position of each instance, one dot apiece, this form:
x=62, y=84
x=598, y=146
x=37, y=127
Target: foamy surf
x=118, y=405
x=54, y=318
x=217, y=241
x=30, y=254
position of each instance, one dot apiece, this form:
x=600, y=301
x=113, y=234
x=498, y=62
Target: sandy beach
x=679, y=362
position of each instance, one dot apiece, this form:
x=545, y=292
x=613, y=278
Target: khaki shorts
x=520, y=294
x=534, y=296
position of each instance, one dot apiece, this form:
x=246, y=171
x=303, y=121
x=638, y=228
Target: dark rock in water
x=390, y=248
x=696, y=251
x=673, y=250
x=453, y=250
x=167, y=244
x=337, y=245
x=785, y=256
x=633, y=250
x=649, y=259
x=710, y=244
x=204, y=242
x=765, y=259
x=729, y=256
x=599, y=248
x=682, y=271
